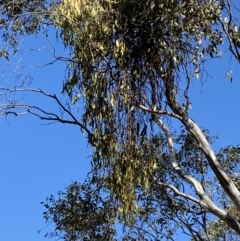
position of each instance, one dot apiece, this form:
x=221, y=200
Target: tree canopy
x=130, y=65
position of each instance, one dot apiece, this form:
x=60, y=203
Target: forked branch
x=204, y=201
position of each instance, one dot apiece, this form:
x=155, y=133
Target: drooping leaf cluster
x=127, y=53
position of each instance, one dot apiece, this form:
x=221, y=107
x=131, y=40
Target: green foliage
x=92, y=211
x=4, y=53
x=23, y=17
x=81, y=213
x=219, y=231
x=124, y=51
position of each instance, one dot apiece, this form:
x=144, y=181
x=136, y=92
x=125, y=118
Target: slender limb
x=177, y=192
x=159, y=112
x=42, y=114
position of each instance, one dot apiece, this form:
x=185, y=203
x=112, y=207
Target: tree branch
x=225, y=181
x=204, y=201
x=44, y=115
x=159, y=112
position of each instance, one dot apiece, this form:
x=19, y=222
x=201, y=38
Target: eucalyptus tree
x=133, y=62
x=131, y=65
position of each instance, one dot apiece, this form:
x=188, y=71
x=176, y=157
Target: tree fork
x=225, y=181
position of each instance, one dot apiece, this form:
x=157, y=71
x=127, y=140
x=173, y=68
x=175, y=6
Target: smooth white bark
x=205, y=201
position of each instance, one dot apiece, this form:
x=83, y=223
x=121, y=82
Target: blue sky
x=38, y=160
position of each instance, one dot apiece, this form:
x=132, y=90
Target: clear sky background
x=38, y=160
